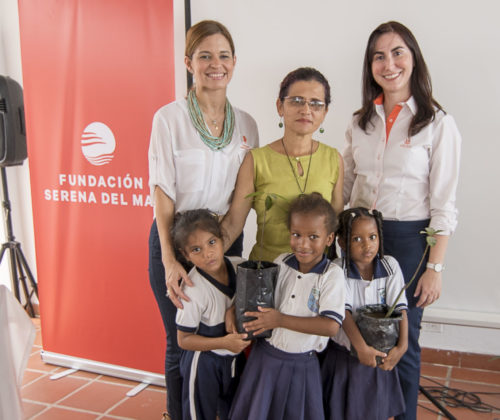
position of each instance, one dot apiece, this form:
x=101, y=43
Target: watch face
x=438, y=268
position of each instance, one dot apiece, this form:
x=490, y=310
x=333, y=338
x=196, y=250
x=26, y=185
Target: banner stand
x=89, y=109
x=103, y=368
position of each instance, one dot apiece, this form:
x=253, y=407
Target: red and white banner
x=94, y=73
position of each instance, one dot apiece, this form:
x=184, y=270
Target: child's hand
x=267, y=319
x=367, y=356
x=230, y=320
x=392, y=359
x=236, y=343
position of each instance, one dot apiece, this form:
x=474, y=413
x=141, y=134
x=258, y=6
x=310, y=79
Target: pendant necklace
x=213, y=142
x=302, y=191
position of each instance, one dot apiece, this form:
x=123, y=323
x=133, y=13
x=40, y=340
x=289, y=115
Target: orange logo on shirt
x=244, y=145
x=406, y=143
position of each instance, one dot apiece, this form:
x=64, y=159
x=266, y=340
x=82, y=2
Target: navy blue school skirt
x=278, y=385
x=352, y=391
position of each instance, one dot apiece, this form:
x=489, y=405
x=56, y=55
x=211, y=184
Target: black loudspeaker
x=13, y=149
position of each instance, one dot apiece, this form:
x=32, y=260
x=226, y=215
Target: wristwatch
x=436, y=267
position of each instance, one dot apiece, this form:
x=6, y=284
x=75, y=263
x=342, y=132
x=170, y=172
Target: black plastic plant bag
x=379, y=332
x=254, y=287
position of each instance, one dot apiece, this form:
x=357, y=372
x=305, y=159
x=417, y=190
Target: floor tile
x=120, y=381
x=436, y=371
x=59, y=413
x=146, y=405
x=489, y=394
x=31, y=375
x=426, y=381
x=97, y=396
x=476, y=375
x=85, y=374
x=35, y=362
x=442, y=357
x=466, y=414
x=480, y=361
x=426, y=411
x=49, y=391
x=31, y=408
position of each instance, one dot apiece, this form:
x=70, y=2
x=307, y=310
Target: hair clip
x=353, y=214
x=370, y=212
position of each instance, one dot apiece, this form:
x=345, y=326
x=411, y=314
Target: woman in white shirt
x=197, y=146
x=402, y=156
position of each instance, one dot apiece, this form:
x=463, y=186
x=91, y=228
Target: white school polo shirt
x=319, y=292
x=188, y=171
x=205, y=312
x=383, y=288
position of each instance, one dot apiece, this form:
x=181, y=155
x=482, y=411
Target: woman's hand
x=267, y=319
x=174, y=271
x=429, y=284
x=428, y=288
x=236, y=343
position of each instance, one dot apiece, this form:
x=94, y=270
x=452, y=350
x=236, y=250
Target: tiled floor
x=84, y=395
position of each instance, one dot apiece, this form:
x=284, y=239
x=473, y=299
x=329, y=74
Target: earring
x=280, y=124
x=321, y=129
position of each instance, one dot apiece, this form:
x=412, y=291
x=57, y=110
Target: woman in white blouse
x=402, y=156
x=197, y=146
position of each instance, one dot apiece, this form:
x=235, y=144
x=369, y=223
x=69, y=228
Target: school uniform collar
x=227, y=290
x=319, y=268
x=379, y=269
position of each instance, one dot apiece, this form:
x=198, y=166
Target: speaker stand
x=19, y=270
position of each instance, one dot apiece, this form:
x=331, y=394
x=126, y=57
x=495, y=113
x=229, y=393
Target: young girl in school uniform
x=355, y=388
x=282, y=378
x=211, y=359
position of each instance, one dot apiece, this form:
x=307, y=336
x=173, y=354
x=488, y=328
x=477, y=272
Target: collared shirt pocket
x=189, y=170
x=313, y=301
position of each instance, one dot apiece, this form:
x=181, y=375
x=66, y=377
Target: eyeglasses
x=299, y=102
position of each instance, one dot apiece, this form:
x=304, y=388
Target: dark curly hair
x=315, y=204
x=346, y=219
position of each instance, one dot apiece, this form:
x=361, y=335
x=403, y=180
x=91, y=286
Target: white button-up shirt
x=189, y=172
x=406, y=178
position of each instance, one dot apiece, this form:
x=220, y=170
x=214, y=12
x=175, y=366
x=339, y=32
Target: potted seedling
x=379, y=324
x=255, y=280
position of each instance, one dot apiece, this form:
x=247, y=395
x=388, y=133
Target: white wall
x=460, y=41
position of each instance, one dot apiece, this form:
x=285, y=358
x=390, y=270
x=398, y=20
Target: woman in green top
x=293, y=165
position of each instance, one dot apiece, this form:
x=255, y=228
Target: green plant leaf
x=269, y=202
x=431, y=240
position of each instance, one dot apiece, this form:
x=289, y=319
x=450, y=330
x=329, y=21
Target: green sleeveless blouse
x=272, y=174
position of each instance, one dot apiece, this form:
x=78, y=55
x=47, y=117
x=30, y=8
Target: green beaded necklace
x=214, y=142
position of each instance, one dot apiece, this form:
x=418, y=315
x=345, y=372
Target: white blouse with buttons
x=405, y=177
x=189, y=172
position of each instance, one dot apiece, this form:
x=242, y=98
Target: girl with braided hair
x=357, y=387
